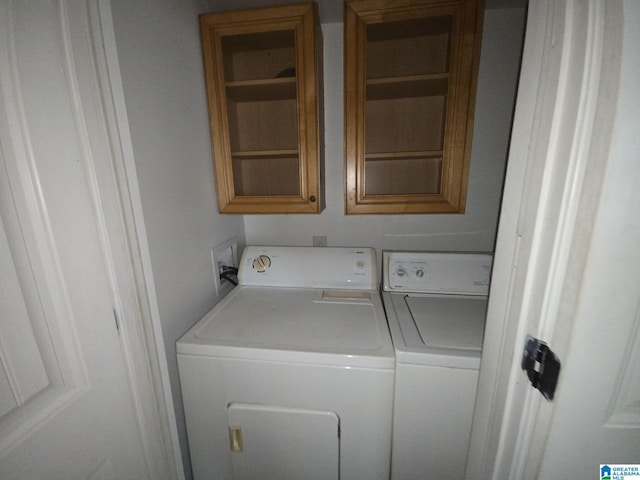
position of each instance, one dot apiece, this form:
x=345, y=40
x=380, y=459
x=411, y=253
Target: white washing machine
x=436, y=308
x=291, y=375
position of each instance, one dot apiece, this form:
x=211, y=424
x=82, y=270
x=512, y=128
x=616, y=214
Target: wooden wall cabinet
x=410, y=80
x=263, y=71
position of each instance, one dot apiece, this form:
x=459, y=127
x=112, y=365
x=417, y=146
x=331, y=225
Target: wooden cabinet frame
x=456, y=87
x=294, y=100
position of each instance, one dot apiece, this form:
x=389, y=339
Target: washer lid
x=329, y=327
x=447, y=322
x=437, y=330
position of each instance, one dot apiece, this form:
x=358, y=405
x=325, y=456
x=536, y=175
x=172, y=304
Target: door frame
x=95, y=76
x=562, y=128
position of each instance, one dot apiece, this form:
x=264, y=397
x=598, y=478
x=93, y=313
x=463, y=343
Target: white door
x=567, y=259
x=70, y=405
x=596, y=418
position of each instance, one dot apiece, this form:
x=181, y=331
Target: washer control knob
x=401, y=272
x=360, y=264
x=420, y=273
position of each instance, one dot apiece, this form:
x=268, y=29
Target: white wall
x=474, y=230
x=161, y=67
x=160, y=60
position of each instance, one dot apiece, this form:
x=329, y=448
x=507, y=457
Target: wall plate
x=225, y=254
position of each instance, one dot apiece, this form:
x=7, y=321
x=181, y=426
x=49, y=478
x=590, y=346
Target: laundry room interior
x=161, y=69
x=259, y=239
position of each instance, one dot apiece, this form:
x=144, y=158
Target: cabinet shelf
x=262, y=90
x=266, y=173
x=407, y=86
x=402, y=155
x=258, y=55
x=261, y=154
x=403, y=175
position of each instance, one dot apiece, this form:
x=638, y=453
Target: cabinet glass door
x=410, y=76
x=261, y=99
x=407, y=64
x=263, y=77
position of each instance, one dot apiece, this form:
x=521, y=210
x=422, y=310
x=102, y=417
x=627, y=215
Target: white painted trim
x=572, y=134
x=499, y=332
x=131, y=194
x=81, y=33
x=561, y=128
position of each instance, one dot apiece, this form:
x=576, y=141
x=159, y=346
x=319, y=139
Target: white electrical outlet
x=319, y=240
x=224, y=255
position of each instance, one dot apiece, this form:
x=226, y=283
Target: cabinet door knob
x=312, y=198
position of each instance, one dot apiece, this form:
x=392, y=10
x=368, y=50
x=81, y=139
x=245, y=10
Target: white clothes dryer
x=436, y=306
x=291, y=375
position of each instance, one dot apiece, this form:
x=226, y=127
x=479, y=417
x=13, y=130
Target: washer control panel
x=309, y=267
x=436, y=272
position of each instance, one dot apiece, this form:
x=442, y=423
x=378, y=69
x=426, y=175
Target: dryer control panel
x=309, y=267
x=437, y=272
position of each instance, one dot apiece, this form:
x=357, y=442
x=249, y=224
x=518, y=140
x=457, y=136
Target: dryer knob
x=261, y=263
x=401, y=272
x=420, y=273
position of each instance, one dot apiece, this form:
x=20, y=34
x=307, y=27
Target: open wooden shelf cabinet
x=263, y=71
x=410, y=79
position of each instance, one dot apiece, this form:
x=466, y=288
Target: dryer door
x=279, y=443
